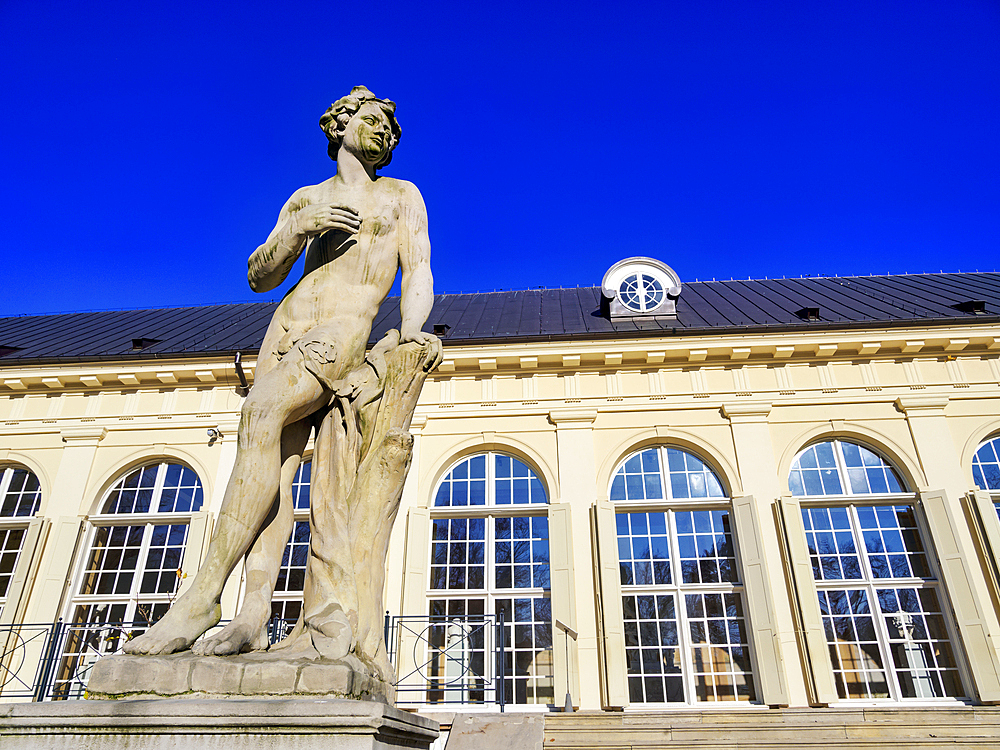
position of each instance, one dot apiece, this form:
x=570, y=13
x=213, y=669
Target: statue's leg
x=286, y=394
x=247, y=629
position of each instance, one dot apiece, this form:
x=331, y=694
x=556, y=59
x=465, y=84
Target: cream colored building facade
x=922, y=396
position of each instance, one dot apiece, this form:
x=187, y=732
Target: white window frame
x=13, y=523
x=851, y=501
x=300, y=515
x=490, y=593
x=670, y=506
x=994, y=492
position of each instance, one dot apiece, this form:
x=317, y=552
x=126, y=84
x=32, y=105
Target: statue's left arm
x=417, y=297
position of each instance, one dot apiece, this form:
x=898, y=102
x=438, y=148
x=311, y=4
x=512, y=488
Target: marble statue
x=356, y=229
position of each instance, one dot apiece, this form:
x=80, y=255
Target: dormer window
x=637, y=287
x=641, y=292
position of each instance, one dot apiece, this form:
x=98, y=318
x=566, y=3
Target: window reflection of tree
x=887, y=632
x=679, y=650
x=494, y=562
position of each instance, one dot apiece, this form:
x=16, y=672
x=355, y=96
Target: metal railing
x=447, y=660
x=438, y=660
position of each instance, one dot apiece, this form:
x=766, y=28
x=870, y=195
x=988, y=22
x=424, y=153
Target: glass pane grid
x=886, y=642
x=893, y=542
x=518, y=561
x=918, y=641
x=300, y=486
x=815, y=472
x=652, y=649
x=10, y=550
x=23, y=494
x=690, y=477
x=858, y=668
x=836, y=468
x=700, y=654
x=162, y=571
x=639, y=478
x=292, y=573
x=515, y=483
x=721, y=653
x=643, y=549
x=522, y=552
x=181, y=492
x=986, y=465
x=867, y=472
x=705, y=545
x=458, y=549
x=455, y=663
x=114, y=558
x=528, y=666
x=464, y=485
x=134, y=493
x=831, y=544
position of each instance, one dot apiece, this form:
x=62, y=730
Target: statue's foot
x=244, y=633
x=178, y=629
x=327, y=636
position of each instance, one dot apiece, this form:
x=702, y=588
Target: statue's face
x=367, y=133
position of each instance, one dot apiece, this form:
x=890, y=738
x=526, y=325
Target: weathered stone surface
x=296, y=724
x=318, y=679
x=509, y=731
x=273, y=678
x=187, y=675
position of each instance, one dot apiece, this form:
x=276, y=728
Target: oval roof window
x=641, y=286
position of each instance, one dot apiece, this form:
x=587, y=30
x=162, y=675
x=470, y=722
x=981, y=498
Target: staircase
x=763, y=729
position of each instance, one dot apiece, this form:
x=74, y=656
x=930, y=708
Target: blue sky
x=147, y=148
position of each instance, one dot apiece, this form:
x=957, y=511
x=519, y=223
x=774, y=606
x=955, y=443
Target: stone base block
x=254, y=675
x=289, y=724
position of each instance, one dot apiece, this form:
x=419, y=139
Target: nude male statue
x=357, y=230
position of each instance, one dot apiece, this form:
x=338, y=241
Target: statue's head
x=334, y=121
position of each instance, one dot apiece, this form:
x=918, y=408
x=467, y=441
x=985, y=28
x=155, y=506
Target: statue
x=357, y=229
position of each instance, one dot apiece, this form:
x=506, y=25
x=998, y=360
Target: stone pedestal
x=257, y=674
x=289, y=724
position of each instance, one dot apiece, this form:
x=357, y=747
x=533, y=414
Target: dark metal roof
x=543, y=314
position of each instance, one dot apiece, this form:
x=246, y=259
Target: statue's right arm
x=299, y=219
x=270, y=263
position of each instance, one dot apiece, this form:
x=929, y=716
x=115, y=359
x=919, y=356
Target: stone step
x=884, y=728
x=485, y=731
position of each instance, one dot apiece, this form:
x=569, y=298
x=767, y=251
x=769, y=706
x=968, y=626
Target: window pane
x=721, y=663
x=23, y=495
x=986, y=465
x=922, y=656
x=652, y=652
x=893, y=542
x=528, y=650
x=644, y=534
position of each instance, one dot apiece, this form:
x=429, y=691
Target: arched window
x=879, y=598
x=682, y=598
x=20, y=496
x=490, y=555
x=986, y=469
x=133, y=567
x=841, y=468
x=286, y=602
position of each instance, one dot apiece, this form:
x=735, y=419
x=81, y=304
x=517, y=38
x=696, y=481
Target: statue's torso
x=346, y=276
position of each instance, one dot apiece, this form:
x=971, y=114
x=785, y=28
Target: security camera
x=214, y=433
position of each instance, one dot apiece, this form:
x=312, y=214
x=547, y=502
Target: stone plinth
x=290, y=724
x=251, y=675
